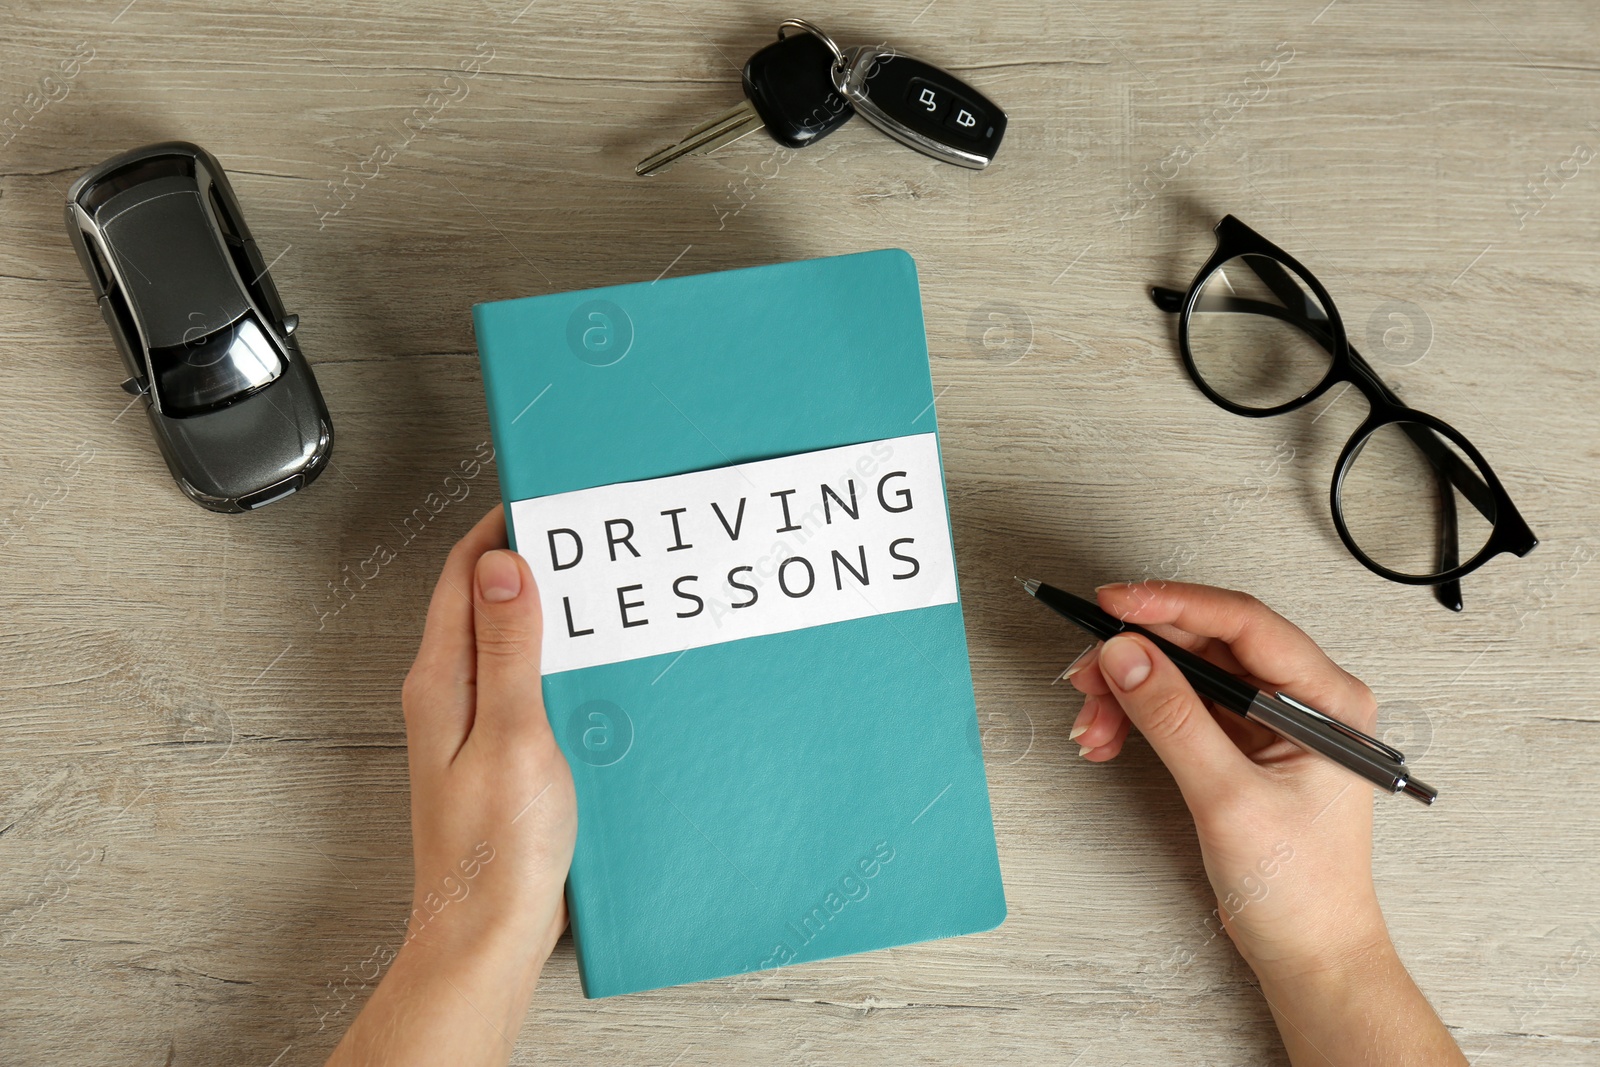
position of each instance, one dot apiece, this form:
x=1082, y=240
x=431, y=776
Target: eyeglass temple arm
x=1448, y=593
x=1168, y=300
x=1443, y=460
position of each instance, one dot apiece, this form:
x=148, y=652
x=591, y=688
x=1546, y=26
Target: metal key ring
x=817, y=32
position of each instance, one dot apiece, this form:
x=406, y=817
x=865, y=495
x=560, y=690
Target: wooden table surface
x=203, y=795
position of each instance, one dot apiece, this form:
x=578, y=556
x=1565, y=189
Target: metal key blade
x=738, y=121
x=789, y=92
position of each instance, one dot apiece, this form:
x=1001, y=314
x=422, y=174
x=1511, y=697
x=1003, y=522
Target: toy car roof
x=173, y=267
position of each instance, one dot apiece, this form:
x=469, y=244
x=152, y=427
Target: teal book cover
x=730, y=492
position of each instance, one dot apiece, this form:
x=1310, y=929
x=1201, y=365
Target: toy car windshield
x=216, y=370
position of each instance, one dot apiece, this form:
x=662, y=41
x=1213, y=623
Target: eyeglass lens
x=1255, y=345
x=1405, y=489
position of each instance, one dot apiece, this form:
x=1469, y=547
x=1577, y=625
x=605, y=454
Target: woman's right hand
x=1286, y=836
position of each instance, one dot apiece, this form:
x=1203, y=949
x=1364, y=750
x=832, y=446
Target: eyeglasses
x=1411, y=496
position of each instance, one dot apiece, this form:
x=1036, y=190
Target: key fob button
x=928, y=99
x=968, y=121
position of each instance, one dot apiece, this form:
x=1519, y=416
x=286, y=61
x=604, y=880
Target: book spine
x=483, y=317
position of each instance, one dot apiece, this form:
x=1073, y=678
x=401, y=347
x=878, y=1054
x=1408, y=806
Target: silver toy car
x=201, y=328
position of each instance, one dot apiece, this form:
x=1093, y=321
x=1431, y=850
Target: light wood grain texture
x=203, y=825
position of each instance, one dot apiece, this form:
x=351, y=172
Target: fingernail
x=1084, y=750
x=1086, y=717
x=499, y=577
x=1108, y=585
x=1086, y=657
x=1125, y=662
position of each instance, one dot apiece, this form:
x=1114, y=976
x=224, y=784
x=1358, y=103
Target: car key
x=789, y=91
x=921, y=106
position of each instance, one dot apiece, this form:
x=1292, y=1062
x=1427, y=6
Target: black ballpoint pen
x=1282, y=714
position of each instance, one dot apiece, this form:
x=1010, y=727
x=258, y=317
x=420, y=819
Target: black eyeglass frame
x=1509, y=532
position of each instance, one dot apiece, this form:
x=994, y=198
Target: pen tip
x=1030, y=584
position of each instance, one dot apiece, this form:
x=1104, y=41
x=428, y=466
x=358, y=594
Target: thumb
x=1161, y=703
x=507, y=627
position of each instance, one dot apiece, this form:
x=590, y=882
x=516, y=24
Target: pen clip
x=1349, y=731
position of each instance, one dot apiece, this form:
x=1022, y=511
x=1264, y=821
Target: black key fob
x=791, y=86
x=921, y=106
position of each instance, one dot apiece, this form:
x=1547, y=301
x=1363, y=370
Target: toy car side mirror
x=290, y=324
x=134, y=386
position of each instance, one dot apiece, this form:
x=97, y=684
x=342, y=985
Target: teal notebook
x=729, y=489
